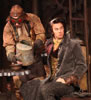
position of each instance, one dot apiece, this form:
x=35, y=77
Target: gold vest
x=54, y=60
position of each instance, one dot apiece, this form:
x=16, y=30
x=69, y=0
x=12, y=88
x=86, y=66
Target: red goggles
x=18, y=20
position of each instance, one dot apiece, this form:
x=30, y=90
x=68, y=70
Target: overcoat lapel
x=62, y=53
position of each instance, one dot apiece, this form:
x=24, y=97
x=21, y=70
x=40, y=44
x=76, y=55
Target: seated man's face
x=16, y=21
x=58, y=30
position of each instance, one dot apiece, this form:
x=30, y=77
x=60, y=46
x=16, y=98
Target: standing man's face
x=17, y=21
x=58, y=30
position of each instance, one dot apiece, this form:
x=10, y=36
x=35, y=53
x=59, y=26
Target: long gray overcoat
x=70, y=58
x=70, y=62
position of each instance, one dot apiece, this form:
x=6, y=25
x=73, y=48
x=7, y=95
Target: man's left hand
x=71, y=80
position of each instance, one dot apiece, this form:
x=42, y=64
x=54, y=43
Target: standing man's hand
x=38, y=47
x=11, y=57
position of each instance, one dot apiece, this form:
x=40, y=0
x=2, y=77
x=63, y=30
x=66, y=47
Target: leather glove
x=38, y=47
x=23, y=78
x=11, y=57
x=72, y=80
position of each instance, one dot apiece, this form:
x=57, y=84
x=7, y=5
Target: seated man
x=65, y=60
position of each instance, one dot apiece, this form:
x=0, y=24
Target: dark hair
x=57, y=20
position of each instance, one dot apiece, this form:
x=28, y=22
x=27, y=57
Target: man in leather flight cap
x=28, y=28
x=66, y=62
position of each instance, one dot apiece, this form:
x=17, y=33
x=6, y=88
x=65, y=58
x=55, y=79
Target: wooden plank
x=75, y=98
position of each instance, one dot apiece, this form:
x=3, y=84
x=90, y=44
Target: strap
x=28, y=28
x=16, y=34
x=14, y=73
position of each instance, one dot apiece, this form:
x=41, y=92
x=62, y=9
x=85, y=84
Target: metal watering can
x=25, y=54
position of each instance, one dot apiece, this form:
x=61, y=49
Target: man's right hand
x=17, y=65
x=60, y=80
x=11, y=57
x=38, y=47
